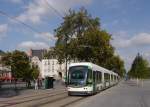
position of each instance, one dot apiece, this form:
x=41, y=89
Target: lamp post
x=66, y=60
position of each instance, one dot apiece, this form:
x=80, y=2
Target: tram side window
x=89, y=76
x=106, y=77
x=112, y=77
x=99, y=77
x=94, y=76
x=115, y=78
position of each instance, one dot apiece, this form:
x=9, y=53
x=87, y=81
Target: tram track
x=31, y=96
x=56, y=99
x=73, y=102
x=63, y=102
x=51, y=101
x=59, y=100
x=31, y=100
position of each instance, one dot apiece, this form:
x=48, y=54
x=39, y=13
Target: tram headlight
x=85, y=88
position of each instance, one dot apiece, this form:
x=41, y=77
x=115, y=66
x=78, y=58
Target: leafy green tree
x=20, y=65
x=2, y=52
x=148, y=73
x=35, y=72
x=74, y=26
x=139, y=68
x=81, y=38
x=117, y=65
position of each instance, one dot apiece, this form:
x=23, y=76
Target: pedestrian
x=36, y=84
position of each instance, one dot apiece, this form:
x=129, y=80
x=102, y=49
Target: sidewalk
x=6, y=93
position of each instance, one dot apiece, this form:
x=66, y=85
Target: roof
x=93, y=66
x=81, y=63
x=38, y=53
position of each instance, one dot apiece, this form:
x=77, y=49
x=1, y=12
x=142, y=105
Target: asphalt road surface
x=125, y=94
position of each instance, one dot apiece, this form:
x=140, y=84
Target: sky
x=126, y=20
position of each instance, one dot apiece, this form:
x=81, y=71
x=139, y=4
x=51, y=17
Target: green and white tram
x=86, y=78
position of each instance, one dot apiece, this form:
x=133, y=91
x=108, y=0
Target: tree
x=139, y=68
x=81, y=38
x=35, y=72
x=1, y=55
x=20, y=65
x=74, y=26
x=117, y=65
x=2, y=52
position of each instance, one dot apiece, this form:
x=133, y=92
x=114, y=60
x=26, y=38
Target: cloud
x=140, y=39
x=3, y=30
x=127, y=46
x=37, y=9
x=45, y=36
x=33, y=12
x=33, y=45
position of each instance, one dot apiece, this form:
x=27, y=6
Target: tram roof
x=93, y=66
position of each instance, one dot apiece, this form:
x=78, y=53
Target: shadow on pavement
x=5, y=92
x=10, y=92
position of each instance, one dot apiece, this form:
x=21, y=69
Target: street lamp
x=66, y=60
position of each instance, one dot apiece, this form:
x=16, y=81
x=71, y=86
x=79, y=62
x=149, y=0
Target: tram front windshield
x=77, y=75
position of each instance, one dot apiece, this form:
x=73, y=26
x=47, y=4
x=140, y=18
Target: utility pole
x=66, y=60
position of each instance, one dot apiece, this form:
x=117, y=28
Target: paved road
x=56, y=97
x=125, y=94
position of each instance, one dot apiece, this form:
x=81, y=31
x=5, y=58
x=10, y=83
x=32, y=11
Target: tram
x=86, y=78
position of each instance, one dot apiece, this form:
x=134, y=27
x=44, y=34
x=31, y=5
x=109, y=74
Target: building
x=36, y=57
x=38, y=53
x=49, y=67
x=52, y=68
x=5, y=72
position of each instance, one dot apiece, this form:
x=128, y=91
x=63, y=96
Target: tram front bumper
x=80, y=92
